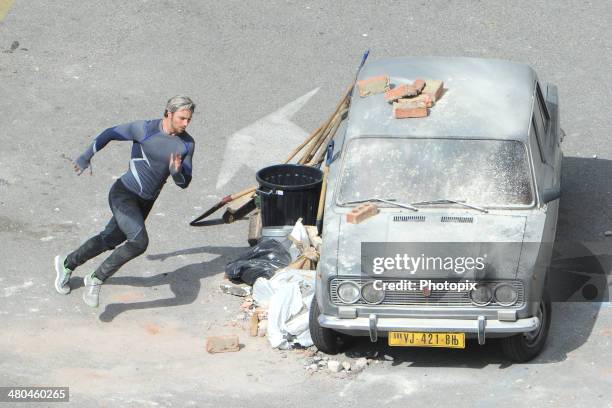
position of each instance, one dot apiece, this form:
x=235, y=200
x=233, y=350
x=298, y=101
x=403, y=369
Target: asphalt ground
x=70, y=69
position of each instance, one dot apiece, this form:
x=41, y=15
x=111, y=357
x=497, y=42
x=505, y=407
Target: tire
x=327, y=340
x=524, y=347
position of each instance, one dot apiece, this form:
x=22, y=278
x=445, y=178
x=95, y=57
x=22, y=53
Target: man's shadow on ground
x=184, y=282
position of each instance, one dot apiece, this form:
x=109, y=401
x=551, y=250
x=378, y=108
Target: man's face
x=179, y=120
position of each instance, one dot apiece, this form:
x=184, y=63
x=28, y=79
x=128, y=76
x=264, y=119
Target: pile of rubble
x=408, y=100
x=278, y=304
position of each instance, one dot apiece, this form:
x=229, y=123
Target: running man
x=160, y=148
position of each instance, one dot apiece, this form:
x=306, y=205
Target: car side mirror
x=551, y=194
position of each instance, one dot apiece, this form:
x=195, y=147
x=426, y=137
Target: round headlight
x=505, y=294
x=372, y=295
x=348, y=292
x=481, y=295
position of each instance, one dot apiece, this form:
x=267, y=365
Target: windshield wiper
x=446, y=201
x=383, y=200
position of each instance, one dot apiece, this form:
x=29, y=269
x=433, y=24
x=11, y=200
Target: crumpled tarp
x=288, y=296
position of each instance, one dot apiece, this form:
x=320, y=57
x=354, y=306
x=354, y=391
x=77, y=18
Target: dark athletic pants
x=129, y=213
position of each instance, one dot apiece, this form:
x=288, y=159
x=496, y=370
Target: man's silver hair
x=177, y=103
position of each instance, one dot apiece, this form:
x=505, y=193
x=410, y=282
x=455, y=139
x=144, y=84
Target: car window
x=536, y=131
x=542, y=109
x=493, y=173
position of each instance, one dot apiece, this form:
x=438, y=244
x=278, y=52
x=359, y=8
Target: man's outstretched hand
x=80, y=166
x=175, y=163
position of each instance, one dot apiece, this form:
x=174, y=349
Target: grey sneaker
x=62, y=278
x=91, y=295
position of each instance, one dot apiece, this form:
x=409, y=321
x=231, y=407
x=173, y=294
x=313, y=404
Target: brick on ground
x=361, y=213
x=373, y=85
x=222, y=344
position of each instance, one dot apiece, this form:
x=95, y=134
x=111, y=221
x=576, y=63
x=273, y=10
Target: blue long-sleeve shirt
x=151, y=150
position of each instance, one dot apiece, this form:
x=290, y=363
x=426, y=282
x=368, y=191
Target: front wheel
x=326, y=340
x=526, y=346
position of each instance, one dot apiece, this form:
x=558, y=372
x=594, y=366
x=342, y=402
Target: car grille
x=438, y=298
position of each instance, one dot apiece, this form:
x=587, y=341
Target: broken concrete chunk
x=262, y=328
x=373, y=85
x=334, y=366
x=222, y=344
x=361, y=213
x=400, y=91
x=346, y=365
x=434, y=88
x=361, y=363
x=235, y=290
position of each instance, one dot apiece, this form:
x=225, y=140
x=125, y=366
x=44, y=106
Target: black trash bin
x=288, y=192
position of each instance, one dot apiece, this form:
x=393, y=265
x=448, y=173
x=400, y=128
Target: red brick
x=361, y=213
x=421, y=101
x=373, y=85
x=222, y=344
x=400, y=112
x=434, y=88
x=419, y=84
x=400, y=91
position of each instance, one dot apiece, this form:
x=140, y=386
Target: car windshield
x=489, y=173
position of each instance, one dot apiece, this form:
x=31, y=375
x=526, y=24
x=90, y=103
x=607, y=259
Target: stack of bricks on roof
x=409, y=100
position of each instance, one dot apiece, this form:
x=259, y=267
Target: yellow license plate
x=414, y=339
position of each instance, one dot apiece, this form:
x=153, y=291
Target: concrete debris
x=262, y=328
x=361, y=363
x=248, y=302
x=236, y=290
x=346, y=365
x=334, y=366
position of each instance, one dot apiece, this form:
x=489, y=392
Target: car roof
x=484, y=98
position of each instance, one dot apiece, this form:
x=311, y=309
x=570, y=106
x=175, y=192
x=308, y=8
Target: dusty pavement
x=272, y=70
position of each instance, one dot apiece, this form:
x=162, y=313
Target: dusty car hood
x=495, y=238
